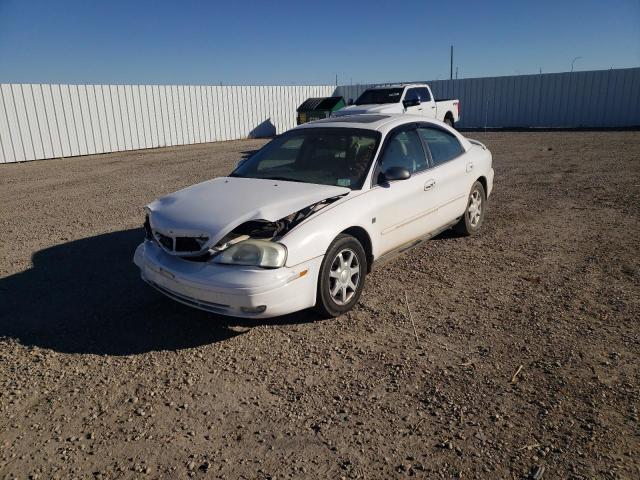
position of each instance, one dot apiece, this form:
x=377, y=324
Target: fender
x=313, y=237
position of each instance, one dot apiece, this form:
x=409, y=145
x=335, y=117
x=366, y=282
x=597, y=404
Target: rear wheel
x=473, y=217
x=341, y=279
x=449, y=120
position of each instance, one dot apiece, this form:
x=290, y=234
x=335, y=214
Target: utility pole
x=451, y=65
x=574, y=61
x=456, y=72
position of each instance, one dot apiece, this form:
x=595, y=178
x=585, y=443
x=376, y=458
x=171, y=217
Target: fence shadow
x=86, y=296
x=263, y=130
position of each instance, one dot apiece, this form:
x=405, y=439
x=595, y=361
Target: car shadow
x=86, y=296
x=448, y=234
x=248, y=153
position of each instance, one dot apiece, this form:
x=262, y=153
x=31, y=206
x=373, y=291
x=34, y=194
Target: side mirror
x=411, y=102
x=392, y=174
x=350, y=102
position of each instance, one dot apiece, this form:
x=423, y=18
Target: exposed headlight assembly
x=257, y=253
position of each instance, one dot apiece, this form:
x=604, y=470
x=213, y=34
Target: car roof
x=382, y=123
x=379, y=122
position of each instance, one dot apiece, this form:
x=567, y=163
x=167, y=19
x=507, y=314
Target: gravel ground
x=527, y=361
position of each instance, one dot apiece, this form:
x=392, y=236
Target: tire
x=449, y=121
x=473, y=218
x=334, y=277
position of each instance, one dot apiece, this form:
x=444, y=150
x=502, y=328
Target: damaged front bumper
x=234, y=290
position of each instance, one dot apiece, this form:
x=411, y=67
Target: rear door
x=450, y=174
x=404, y=208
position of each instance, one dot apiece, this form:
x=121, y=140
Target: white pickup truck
x=413, y=98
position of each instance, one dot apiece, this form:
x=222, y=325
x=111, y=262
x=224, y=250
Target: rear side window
x=404, y=149
x=424, y=95
x=379, y=95
x=442, y=145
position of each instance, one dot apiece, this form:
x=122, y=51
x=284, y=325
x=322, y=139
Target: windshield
x=326, y=156
x=380, y=95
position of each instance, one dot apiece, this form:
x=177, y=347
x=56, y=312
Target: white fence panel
x=15, y=132
x=32, y=120
x=99, y=117
x=110, y=118
x=47, y=121
x=39, y=121
x=67, y=118
x=6, y=139
x=44, y=132
x=590, y=99
x=86, y=120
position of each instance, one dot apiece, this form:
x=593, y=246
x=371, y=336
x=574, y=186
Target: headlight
x=257, y=253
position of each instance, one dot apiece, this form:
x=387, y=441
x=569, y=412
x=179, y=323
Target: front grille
x=190, y=244
x=181, y=245
x=165, y=241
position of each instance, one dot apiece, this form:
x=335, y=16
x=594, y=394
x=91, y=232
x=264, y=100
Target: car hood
x=217, y=206
x=376, y=108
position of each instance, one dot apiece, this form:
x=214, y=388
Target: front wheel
x=473, y=217
x=341, y=279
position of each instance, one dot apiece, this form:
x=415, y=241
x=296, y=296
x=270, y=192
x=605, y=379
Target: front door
x=427, y=102
x=404, y=208
x=412, y=95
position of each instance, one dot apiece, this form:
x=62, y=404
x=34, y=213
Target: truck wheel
x=341, y=279
x=449, y=121
x=473, y=217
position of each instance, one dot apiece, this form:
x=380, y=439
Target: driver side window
x=412, y=94
x=404, y=149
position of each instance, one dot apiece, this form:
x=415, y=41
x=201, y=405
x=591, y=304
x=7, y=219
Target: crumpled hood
x=378, y=108
x=217, y=206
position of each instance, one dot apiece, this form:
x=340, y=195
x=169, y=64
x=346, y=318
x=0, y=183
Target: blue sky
x=301, y=42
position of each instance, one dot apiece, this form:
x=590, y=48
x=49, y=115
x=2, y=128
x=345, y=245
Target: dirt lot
x=101, y=376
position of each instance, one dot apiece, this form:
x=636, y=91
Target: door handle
x=429, y=184
x=433, y=106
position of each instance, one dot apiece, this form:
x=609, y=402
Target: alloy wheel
x=475, y=208
x=344, y=276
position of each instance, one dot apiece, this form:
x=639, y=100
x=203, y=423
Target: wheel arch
x=363, y=237
x=483, y=180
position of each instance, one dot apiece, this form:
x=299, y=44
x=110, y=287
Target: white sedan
x=301, y=222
